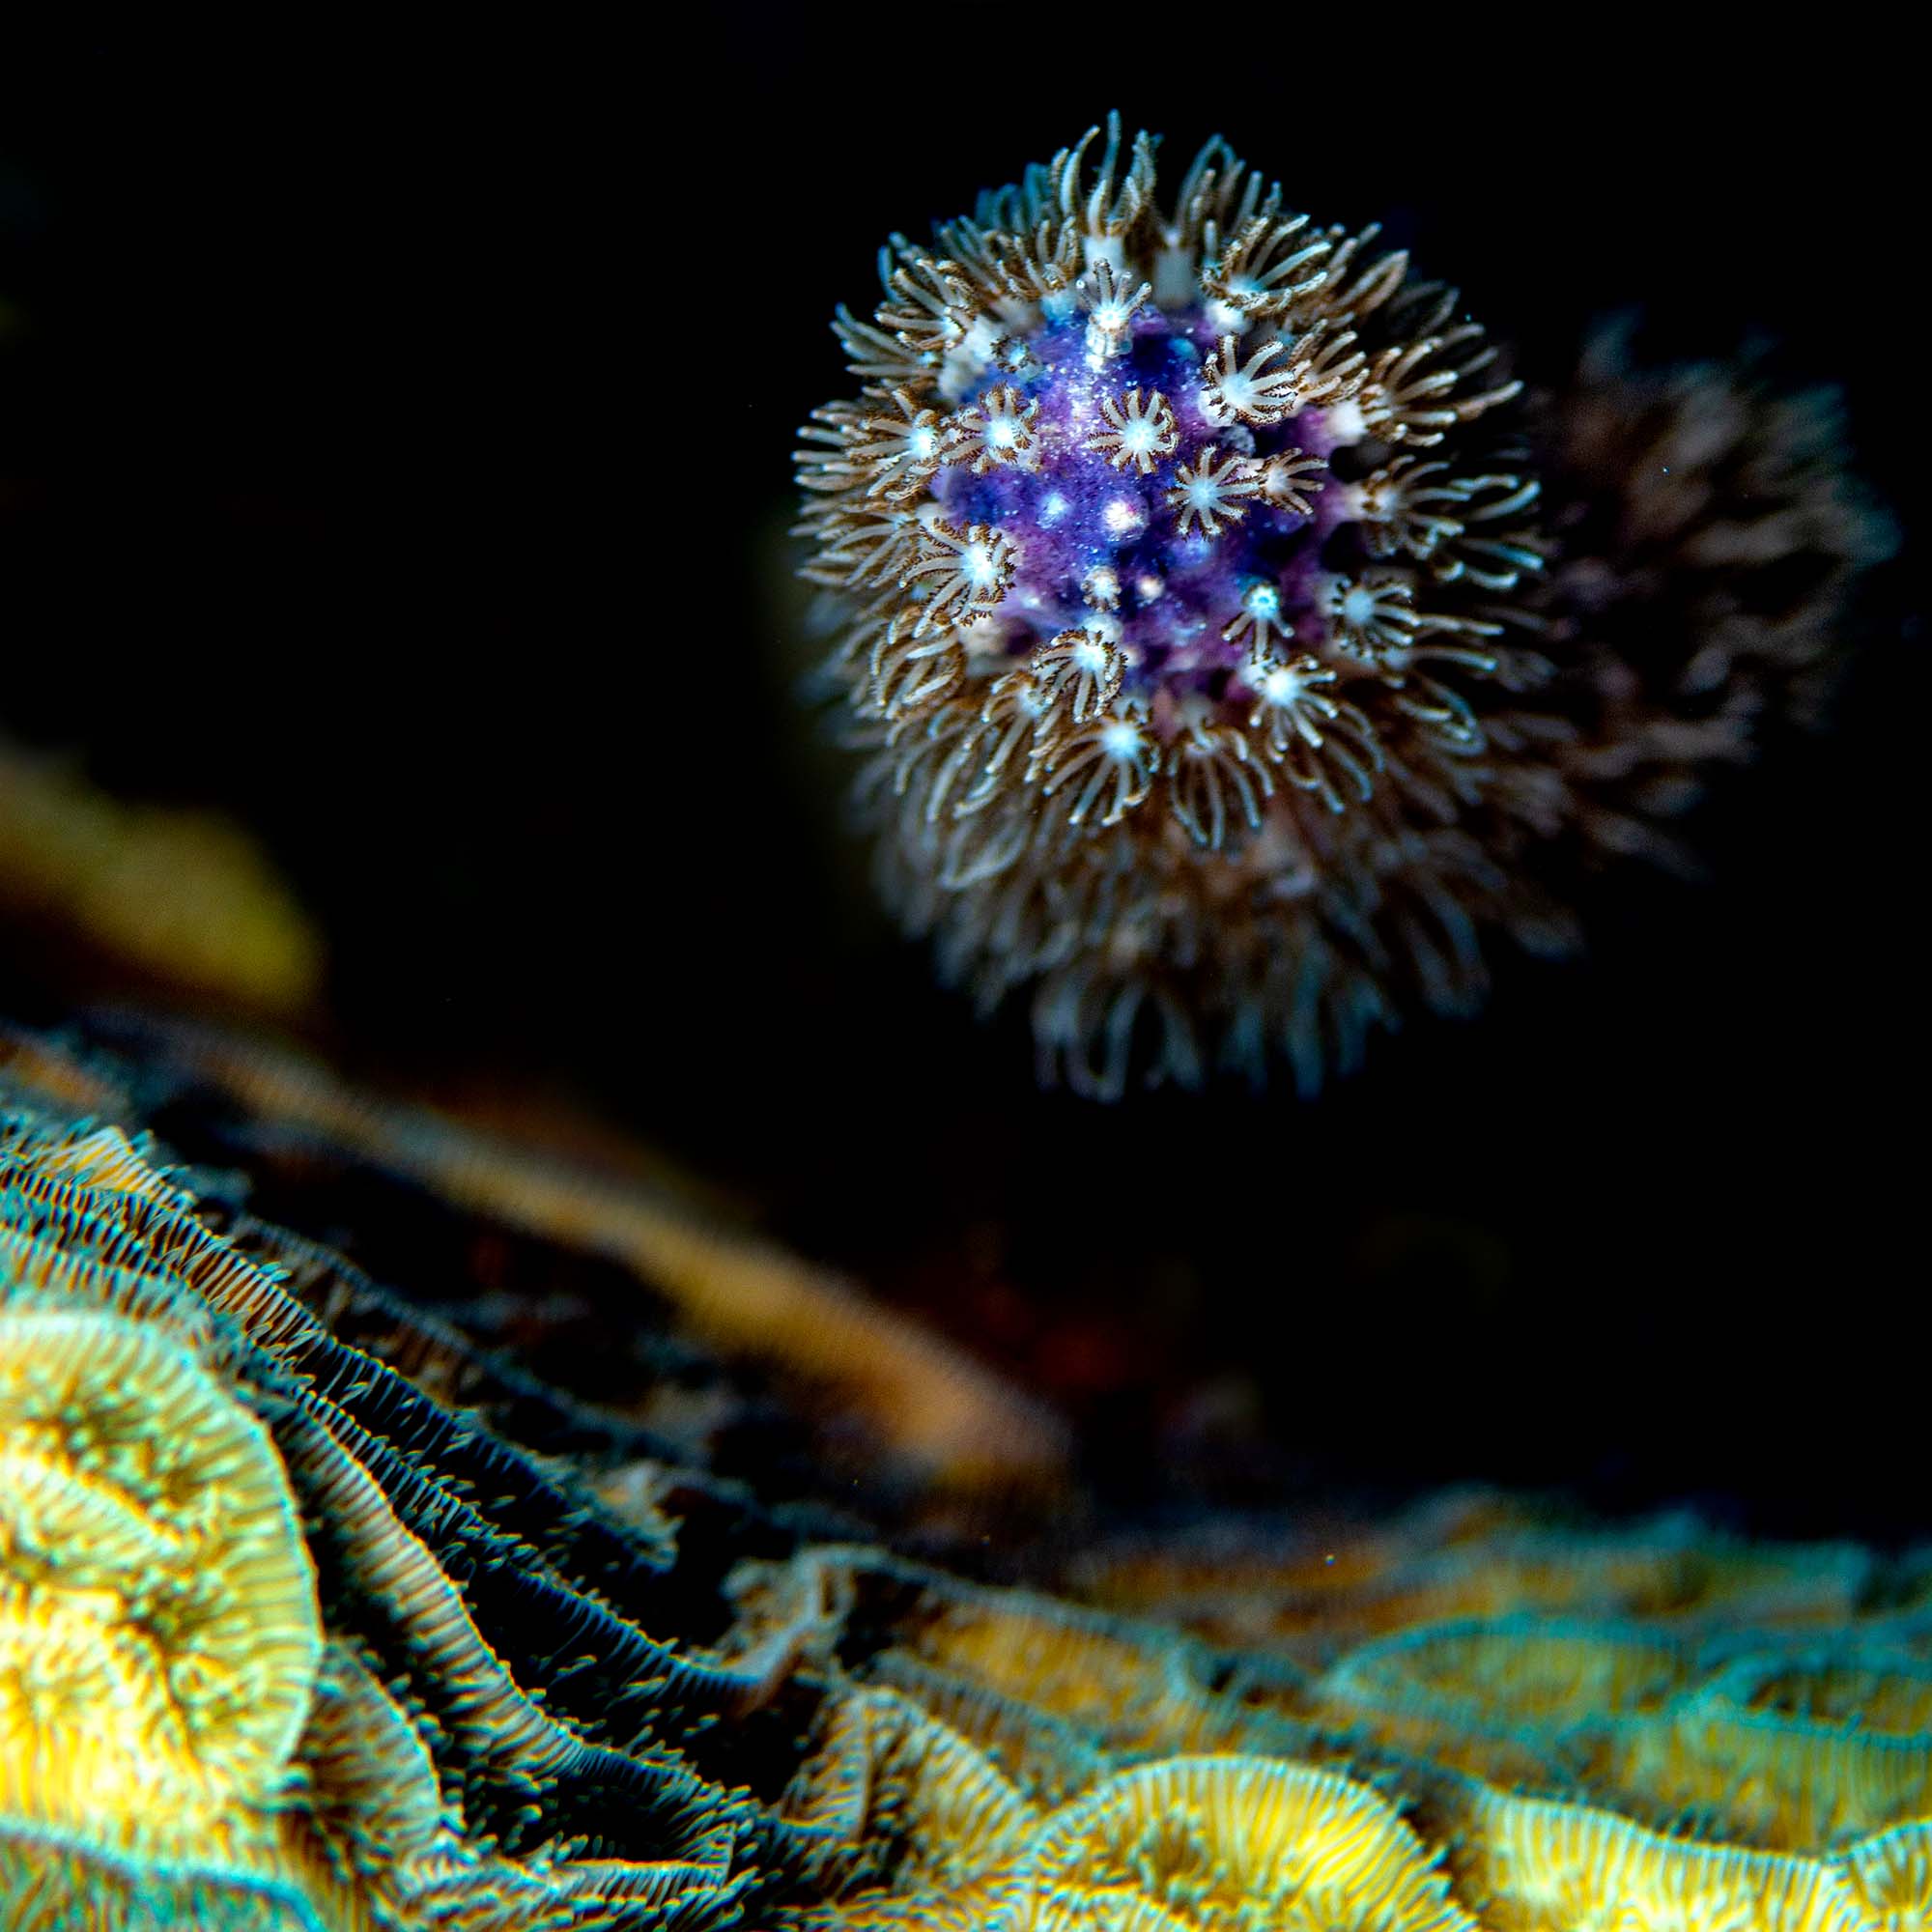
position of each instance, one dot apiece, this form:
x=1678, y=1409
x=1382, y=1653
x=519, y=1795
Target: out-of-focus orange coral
x=179, y=901
x=955, y=1425
x=1317, y=1593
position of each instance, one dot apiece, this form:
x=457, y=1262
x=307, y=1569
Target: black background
x=394, y=450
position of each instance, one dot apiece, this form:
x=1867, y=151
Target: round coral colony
x=1151, y=535
x=159, y=1634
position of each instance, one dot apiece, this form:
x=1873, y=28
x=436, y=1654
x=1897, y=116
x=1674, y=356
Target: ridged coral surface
x=319, y=1610
x=1235, y=649
x=161, y=1636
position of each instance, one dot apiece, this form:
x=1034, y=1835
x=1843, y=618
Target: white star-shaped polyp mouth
x=1122, y=518
x=1121, y=741
x=1263, y=601
x=1281, y=686
x=1001, y=433
x=1345, y=422
x=1090, y=657
x=1358, y=606
x=980, y=570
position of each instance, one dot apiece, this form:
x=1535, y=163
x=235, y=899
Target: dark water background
x=395, y=451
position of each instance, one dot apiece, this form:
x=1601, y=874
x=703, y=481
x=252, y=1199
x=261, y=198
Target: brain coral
x=319, y=1611
x=158, y=1631
x=1198, y=606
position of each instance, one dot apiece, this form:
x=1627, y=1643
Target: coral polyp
x=1218, y=677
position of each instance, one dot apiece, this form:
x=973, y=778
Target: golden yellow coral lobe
x=1224, y=1844
x=158, y=1630
x=1188, y=1844
x=1132, y=1696
x=1539, y=1866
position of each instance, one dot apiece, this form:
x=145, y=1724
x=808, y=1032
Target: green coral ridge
x=489, y=1655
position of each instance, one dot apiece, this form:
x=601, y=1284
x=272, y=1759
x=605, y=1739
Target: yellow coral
x=957, y=1757
x=1046, y=1757
x=50, y=1887
x=1492, y=1698
x=1134, y=1692
x=1236, y=1844
x=1890, y=1876
x=889, y=1771
x=1519, y=1670
x=158, y=1631
x=1536, y=1866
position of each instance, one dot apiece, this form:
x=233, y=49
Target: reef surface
x=341, y=1586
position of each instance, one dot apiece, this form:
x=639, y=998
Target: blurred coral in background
x=125, y=896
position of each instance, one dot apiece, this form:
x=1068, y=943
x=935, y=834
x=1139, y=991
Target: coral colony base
x=320, y=1612
x=1232, y=645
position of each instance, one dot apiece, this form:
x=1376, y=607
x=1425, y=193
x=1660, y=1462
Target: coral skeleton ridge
x=322, y=1612
x=1232, y=645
